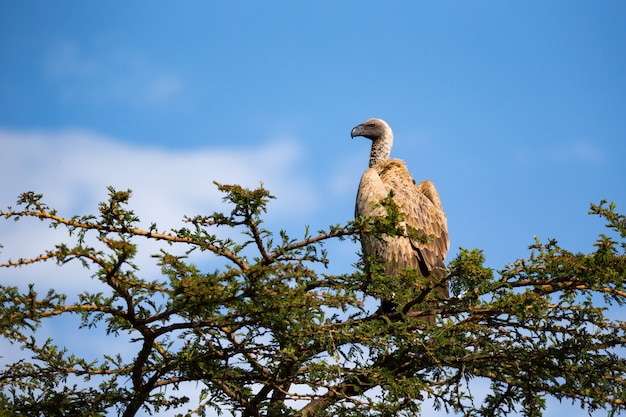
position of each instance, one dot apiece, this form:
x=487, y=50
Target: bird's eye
x=371, y=125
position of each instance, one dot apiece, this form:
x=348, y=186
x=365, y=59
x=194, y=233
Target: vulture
x=426, y=242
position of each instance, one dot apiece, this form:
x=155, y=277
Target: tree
x=271, y=334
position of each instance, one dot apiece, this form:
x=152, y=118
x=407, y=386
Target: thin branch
x=133, y=231
x=256, y=234
x=21, y=261
x=315, y=239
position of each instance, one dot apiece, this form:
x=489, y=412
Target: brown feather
x=420, y=205
x=420, y=213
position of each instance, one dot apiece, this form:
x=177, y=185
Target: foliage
x=269, y=334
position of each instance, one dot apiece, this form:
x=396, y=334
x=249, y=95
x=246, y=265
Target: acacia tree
x=270, y=335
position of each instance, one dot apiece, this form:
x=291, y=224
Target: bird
x=424, y=244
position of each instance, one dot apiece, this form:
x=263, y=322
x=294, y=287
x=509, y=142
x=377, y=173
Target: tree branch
x=220, y=251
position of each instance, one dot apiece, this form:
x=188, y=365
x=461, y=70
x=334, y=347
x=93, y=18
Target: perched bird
x=425, y=243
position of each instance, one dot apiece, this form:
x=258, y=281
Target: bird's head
x=379, y=132
x=372, y=129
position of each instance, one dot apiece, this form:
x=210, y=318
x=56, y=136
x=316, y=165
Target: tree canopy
x=272, y=333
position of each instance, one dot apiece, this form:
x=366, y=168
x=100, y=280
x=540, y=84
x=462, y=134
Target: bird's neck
x=381, y=149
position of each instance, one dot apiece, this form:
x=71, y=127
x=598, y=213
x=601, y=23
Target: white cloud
x=72, y=168
x=118, y=76
x=584, y=152
x=66, y=60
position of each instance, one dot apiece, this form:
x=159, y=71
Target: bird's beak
x=356, y=131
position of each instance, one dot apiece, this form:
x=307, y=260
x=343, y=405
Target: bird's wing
x=423, y=215
x=371, y=191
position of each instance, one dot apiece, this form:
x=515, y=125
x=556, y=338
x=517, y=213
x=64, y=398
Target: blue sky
x=515, y=110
